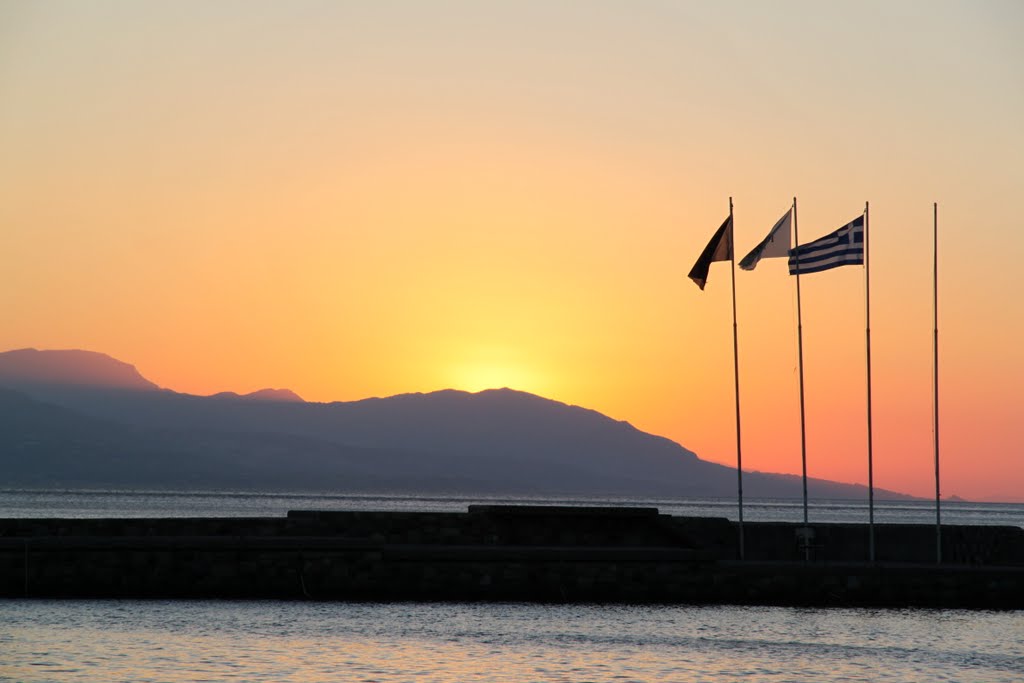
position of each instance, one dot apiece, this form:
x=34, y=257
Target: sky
x=356, y=199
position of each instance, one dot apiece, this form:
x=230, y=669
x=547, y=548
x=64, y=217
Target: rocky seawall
x=520, y=553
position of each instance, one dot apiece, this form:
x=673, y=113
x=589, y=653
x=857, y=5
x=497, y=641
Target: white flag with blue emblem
x=776, y=244
x=844, y=247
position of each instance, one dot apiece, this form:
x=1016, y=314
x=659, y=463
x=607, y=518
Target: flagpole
x=736, y=375
x=935, y=370
x=871, y=471
x=800, y=353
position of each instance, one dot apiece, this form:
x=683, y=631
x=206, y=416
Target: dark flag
x=718, y=249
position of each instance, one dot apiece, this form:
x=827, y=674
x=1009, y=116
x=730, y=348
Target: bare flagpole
x=800, y=353
x=871, y=471
x=736, y=374
x=935, y=379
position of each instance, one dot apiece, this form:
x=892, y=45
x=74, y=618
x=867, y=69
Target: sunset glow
x=366, y=199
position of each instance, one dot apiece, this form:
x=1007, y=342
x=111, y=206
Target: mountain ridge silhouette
x=497, y=440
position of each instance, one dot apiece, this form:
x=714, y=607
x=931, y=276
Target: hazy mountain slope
x=43, y=445
x=30, y=367
x=499, y=440
x=263, y=395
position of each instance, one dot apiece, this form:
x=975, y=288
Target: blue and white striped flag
x=844, y=247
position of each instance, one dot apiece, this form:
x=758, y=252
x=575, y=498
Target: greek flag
x=844, y=247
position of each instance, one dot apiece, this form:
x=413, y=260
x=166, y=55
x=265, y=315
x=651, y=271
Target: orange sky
x=362, y=199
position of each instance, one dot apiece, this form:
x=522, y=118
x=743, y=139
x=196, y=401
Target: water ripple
x=311, y=642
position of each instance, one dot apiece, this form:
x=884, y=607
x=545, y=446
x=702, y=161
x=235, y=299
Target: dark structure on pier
x=523, y=553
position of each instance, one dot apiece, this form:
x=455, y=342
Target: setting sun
x=352, y=200
x=495, y=368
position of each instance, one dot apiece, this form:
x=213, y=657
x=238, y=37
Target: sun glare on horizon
x=359, y=199
x=475, y=375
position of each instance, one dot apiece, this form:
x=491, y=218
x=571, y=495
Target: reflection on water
x=281, y=641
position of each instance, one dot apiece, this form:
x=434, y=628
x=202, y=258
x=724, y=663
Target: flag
x=844, y=247
x=718, y=249
x=774, y=245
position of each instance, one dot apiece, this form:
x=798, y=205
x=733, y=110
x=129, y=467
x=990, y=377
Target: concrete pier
x=521, y=553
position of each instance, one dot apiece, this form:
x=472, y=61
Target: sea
x=283, y=641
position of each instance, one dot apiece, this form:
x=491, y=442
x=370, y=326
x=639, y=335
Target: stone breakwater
x=520, y=553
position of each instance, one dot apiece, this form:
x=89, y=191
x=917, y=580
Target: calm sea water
x=177, y=641
x=28, y=503
x=280, y=641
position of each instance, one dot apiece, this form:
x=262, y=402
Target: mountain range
x=80, y=419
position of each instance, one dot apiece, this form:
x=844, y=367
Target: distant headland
x=84, y=419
